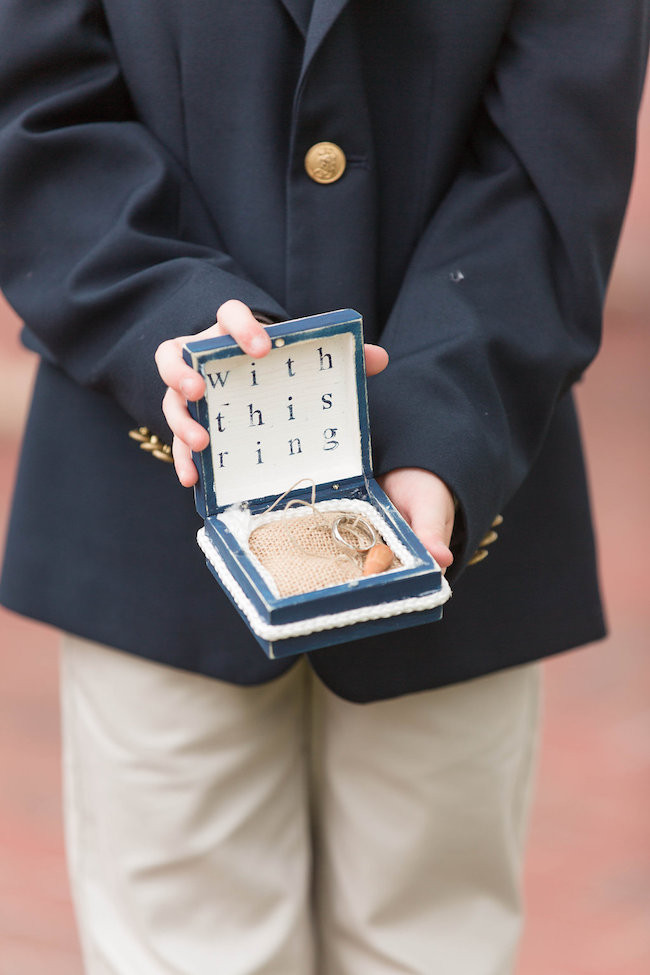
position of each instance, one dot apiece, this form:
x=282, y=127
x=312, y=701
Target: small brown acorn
x=378, y=559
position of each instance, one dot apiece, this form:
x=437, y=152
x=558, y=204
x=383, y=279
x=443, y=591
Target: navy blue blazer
x=152, y=166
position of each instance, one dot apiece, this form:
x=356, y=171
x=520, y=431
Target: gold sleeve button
x=478, y=556
x=141, y=434
x=325, y=162
x=152, y=444
x=488, y=539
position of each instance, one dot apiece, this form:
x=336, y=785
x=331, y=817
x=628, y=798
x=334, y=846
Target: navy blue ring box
x=300, y=414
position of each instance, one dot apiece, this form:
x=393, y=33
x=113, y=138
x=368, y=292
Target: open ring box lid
x=301, y=411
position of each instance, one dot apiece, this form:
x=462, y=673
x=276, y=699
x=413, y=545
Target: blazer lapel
x=323, y=15
x=300, y=12
x=313, y=18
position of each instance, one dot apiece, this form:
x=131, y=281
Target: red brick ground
x=588, y=879
x=588, y=876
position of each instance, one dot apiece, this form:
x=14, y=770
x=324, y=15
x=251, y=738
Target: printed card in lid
x=301, y=538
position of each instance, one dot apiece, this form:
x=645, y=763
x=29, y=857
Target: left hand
x=427, y=504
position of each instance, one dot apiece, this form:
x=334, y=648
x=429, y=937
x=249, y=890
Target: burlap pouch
x=301, y=554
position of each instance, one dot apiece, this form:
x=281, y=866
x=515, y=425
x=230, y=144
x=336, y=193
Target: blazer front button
x=325, y=162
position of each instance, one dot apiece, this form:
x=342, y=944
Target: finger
x=432, y=520
x=185, y=469
x=181, y=423
x=376, y=359
x=175, y=372
x=428, y=505
x=237, y=320
x=435, y=538
x=173, y=369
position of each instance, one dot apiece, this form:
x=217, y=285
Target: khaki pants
x=279, y=830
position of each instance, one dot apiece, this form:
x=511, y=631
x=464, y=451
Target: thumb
x=427, y=504
x=434, y=531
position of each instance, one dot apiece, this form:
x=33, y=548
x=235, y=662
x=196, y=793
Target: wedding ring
x=358, y=526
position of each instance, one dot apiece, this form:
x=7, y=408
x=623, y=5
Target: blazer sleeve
x=93, y=257
x=500, y=309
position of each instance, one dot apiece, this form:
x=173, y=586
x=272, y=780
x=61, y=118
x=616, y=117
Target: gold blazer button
x=325, y=162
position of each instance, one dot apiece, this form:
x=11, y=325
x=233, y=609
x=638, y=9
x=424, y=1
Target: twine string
x=320, y=521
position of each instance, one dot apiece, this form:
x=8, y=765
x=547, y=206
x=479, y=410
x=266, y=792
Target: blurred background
x=588, y=874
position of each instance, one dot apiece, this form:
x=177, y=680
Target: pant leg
x=420, y=809
x=186, y=818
